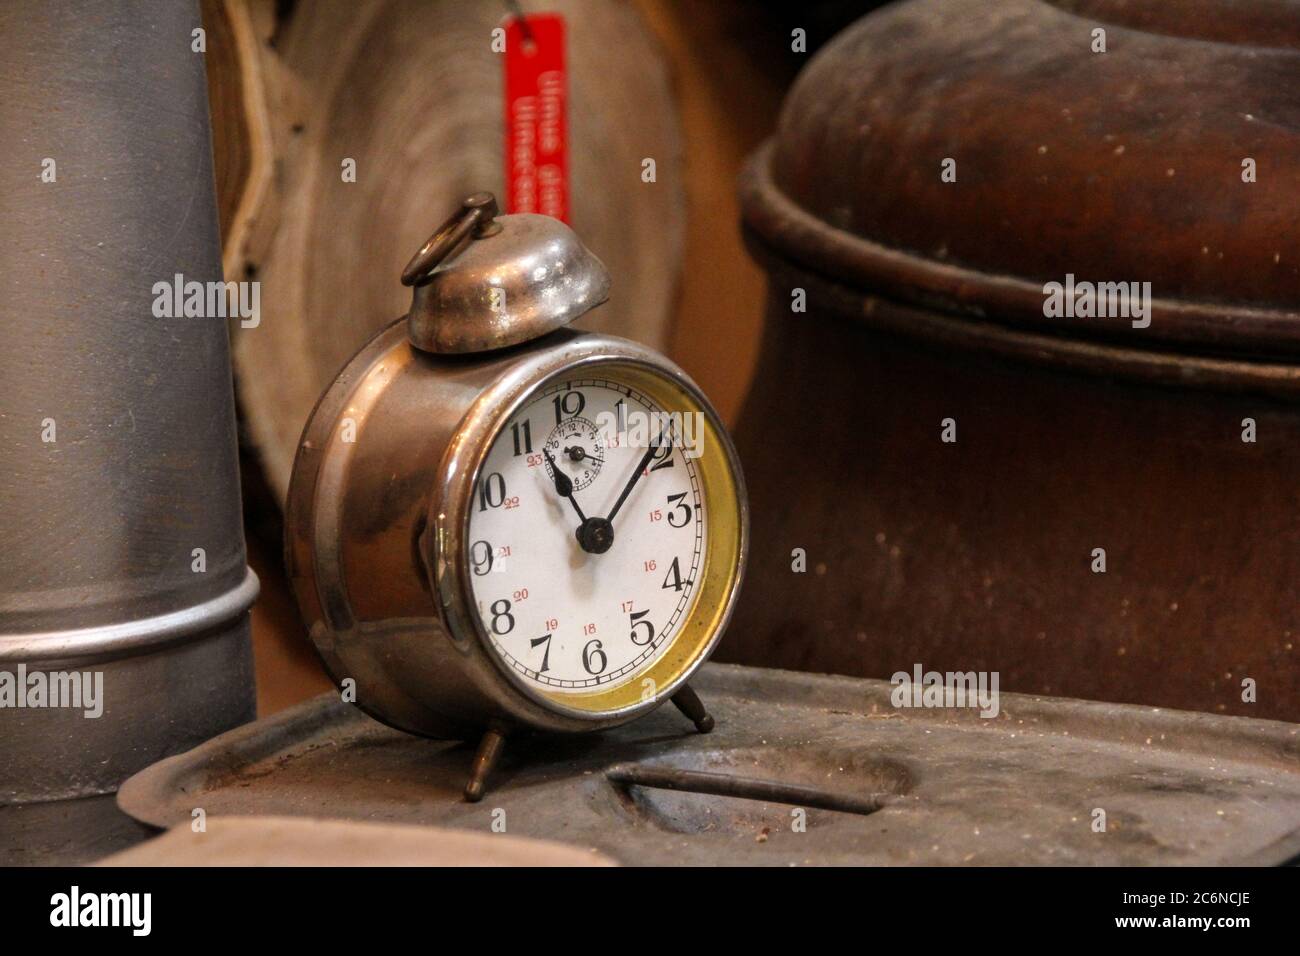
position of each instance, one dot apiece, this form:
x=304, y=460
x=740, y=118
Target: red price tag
x=537, y=131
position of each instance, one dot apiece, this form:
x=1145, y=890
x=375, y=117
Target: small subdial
x=576, y=447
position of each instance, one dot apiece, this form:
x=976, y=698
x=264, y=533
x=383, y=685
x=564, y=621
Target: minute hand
x=640, y=468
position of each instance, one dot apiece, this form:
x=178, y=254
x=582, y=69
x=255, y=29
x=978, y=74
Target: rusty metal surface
x=976, y=554
x=951, y=787
x=1120, y=166
x=925, y=305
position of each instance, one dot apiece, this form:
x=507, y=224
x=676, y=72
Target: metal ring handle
x=474, y=215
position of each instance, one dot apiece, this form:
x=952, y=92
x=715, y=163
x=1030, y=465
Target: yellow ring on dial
x=719, y=575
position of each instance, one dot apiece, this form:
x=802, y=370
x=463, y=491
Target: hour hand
x=563, y=484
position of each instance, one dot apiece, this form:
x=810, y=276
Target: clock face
x=589, y=533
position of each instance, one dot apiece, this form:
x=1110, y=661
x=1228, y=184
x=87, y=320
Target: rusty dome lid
x=1117, y=166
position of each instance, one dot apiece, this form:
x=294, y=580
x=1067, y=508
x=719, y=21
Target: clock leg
x=689, y=703
x=489, y=749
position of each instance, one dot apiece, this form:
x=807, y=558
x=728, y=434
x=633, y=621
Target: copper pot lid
x=1071, y=166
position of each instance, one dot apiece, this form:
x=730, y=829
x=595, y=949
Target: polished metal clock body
x=378, y=517
x=401, y=479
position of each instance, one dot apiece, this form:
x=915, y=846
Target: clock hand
x=595, y=535
x=640, y=468
x=577, y=453
x=563, y=485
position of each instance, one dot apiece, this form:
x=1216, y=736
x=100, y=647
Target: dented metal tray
x=801, y=769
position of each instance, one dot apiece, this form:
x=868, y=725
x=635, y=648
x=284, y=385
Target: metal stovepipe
x=121, y=544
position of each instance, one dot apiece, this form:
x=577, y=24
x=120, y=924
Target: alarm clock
x=497, y=524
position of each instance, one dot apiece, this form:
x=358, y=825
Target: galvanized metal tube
x=121, y=543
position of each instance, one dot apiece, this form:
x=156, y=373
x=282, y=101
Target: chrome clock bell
x=498, y=524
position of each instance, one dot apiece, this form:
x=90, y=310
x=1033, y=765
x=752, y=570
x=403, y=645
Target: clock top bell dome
x=485, y=281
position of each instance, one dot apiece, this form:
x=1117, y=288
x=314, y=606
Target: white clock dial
x=564, y=615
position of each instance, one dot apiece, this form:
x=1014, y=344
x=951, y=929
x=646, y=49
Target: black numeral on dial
x=593, y=658
x=523, y=436
x=480, y=556
x=568, y=405
x=679, y=509
x=636, y=622
x=491, y=491
x=663, y=456
x=546, y=655
x=674, y=578
x=501, y=613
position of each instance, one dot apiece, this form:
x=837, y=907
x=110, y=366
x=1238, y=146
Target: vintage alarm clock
x=498, y=524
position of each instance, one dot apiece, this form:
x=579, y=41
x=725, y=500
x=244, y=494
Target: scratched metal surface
x=1177, y=787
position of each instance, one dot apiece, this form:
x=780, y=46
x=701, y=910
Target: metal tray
x=802, y=769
